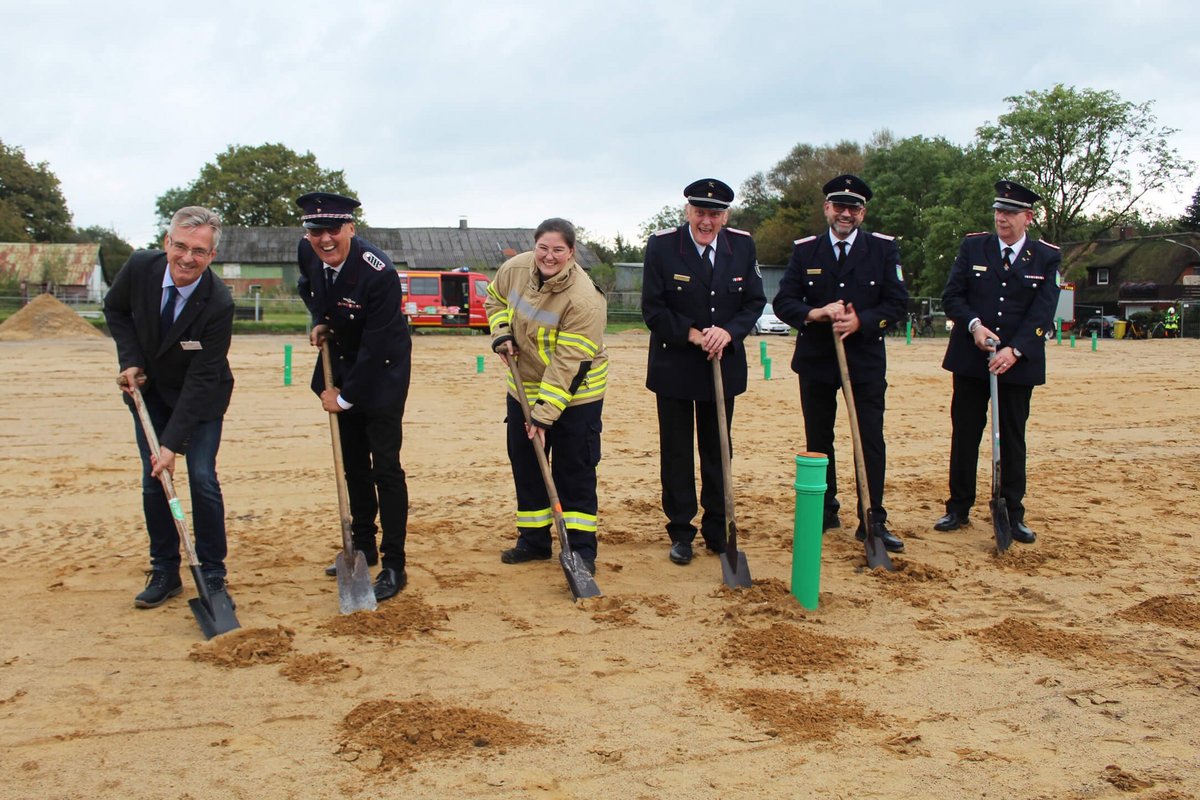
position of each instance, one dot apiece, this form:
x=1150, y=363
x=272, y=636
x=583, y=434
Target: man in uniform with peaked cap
x=701, y=295
x=847, y=283
x=1003, y=286
x=353, y=293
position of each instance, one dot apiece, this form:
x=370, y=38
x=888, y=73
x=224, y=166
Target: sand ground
x=1066, y=669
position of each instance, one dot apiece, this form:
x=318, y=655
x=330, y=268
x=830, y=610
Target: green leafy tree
x=254, y=186
x=114, y=251
x=667, y=217
x=32, y=207
x=1191, y=216
x=1091, y=156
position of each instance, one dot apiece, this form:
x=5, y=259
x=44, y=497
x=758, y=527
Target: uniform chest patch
x=375, y=261
x=813, y=271
x=683, y=278
x=349, y=303
x=979, y=268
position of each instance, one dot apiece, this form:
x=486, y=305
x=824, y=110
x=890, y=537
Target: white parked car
x=769, y=323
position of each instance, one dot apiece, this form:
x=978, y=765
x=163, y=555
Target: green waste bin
x=1119, y=329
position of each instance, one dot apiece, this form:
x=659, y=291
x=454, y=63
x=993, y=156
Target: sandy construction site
x=1065, y=669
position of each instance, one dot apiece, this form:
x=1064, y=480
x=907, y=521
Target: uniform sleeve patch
x=805, y=239
x=375, y=261
x=883, y=236
x=1057, y=278
x=900, y=273
x=757, y=271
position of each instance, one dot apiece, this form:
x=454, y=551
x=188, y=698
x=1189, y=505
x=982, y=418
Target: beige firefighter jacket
x=557, y=327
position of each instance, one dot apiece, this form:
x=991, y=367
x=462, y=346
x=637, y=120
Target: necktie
x=708, y=254
x=841, y=253
x=1007, y=258
x=330, y=277
x=168, y=312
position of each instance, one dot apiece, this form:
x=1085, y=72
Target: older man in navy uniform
x=846, y=283
x=353, y=293
x=1004, y=287
x=701, y=295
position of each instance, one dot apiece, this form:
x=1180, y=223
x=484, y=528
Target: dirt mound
x=784, y=649
x=1023, y=636
x=796, y=717
x=767, y=597
x=396, y=734
x=1175, y=612
x=246, y=647
x=400, y=618
x=46, y=317
x=315, y=668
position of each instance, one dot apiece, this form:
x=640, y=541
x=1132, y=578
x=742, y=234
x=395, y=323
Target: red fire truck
x=451, y=299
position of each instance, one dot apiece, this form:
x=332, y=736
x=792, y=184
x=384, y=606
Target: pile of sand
x=46, y=317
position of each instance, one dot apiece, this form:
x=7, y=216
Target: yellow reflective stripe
x=494, y=292
x=501, y=317
x=583, y=343
x=545, y=343
x=549, y=393
x=580, y=521
x=530, y=387
x=534, y=519
x=595, y=382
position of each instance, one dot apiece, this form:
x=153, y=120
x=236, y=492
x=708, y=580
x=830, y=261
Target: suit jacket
x=871, y=278
x=1018, y=305
x=195, y=382
x=680, y=291
x=369, y=341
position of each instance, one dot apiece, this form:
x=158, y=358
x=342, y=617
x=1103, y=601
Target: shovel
x=1000, y=522
x=213, y=610
x=877, y=554
x=355, y=592
x=734, y=569
x=580, y=581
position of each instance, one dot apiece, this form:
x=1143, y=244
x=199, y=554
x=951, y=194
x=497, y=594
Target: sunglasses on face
x=332, y=230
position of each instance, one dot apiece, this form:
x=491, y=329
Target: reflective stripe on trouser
x=574, y=442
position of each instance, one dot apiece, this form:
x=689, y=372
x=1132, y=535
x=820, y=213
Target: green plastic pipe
x=767, y=370
x=762, y=351
x=908, y=332
x=806, y=531
x=1094, y=339
x=478, y=365
x=287, y=365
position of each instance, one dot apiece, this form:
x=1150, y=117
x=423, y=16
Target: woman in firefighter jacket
x=547, y=320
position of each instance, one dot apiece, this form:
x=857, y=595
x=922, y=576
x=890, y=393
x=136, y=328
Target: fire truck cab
x=444, y=299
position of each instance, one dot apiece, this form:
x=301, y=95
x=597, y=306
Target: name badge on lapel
x=683, y=278
x=189, y=345
x=979, y=268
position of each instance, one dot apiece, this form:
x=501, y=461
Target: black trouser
x=677, y=468
x=819, y=404
x=968, y=415
x=375, y=480
x=573, y=441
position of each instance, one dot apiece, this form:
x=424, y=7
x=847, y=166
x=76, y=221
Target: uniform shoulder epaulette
x=805, y=239
x=883, y=236
x=665, y=231
x=978, y=233
x=1048, y=244
x=738, y=231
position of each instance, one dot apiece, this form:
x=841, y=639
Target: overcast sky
x=508, y=113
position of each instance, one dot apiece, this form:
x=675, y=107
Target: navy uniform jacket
x=1018, y=305
x=369, y=340
x=195, y=382
x=680, y=291
x=871, y=279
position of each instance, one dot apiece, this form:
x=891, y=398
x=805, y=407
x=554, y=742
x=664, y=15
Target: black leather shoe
x=372, y=560
x=160, y=587
x=891, y=542
x=830, y=521
x=389, y=583
x=216, y=583
x=589, y=563
x=715, y=549
x=519, y=555
x=681, y=553
x=952, y=522
x=1022, y=534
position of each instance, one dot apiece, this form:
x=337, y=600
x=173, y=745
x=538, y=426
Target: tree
x=32, y=207
x=114, y=251
x=254, y=186
x=1191, y=216
x=1091, y=156
x=667, y=217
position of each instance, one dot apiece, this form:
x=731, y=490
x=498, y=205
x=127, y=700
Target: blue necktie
x=168, y=312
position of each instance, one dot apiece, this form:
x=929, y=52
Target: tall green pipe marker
x=478, y=365
x=287, y=365
x=762, y=350
x=1094, y=339
x=806, y=531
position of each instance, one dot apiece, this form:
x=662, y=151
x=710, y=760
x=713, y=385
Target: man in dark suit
x=172, y=322
x=353, y=293
x=846, y=283
x=701, y=295
x=1003, y=286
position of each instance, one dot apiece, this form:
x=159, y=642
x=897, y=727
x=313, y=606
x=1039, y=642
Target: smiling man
x=353, y=293
x=701, y=295
x=1004, y=287
x=172, y=321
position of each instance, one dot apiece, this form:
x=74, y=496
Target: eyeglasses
x=559, y=251
x=197, y=253
x=842, y=208
x=332, y=230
